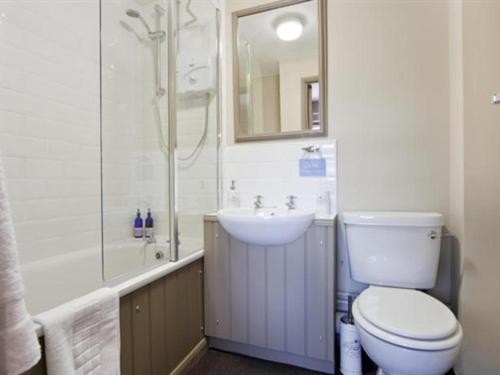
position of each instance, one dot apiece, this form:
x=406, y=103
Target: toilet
x=401, y=328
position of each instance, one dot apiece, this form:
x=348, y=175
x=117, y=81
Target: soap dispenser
x=138, y=225
x=233, y=196
x=149, y=226
x=324, y=204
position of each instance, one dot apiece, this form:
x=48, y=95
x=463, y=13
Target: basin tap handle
x=258, y=201
x=291, y=202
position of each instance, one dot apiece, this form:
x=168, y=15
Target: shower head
x=132, y=13
x=159, y=10
x=135, y=14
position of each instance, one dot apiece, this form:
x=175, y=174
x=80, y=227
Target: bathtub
x=128, y=266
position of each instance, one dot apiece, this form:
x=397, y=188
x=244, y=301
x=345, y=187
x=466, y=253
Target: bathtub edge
x=146, y=278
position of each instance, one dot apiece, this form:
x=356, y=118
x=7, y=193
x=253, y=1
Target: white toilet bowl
x=407, y=332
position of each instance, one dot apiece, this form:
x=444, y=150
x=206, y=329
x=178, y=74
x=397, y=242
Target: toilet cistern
x=402, y=329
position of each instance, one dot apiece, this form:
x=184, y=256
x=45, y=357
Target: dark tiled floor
x=217, y=363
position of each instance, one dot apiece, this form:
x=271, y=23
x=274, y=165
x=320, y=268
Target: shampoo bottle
x=149, y=231
x=138, y=227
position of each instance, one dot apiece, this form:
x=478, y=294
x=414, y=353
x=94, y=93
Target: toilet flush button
x=432, y=235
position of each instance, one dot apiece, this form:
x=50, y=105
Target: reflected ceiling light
x=289, y=28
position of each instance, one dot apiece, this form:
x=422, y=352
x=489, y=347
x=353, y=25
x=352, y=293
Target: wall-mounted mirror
x=279, y=70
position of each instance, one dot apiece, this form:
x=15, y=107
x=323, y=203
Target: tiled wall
x=50, y=127
x=49, y=123
x=271, y=169
x=197, y=176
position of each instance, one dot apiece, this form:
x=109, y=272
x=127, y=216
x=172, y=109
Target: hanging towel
x=82, y=337
x=19, y=347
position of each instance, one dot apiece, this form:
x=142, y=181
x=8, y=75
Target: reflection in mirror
x=310, y=99
x=278, y=71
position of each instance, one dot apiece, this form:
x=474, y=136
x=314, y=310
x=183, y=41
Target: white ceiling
x=268, y=50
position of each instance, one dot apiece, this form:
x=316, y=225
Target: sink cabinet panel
x=272, y=302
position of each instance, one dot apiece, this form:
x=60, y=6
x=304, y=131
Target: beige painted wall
x=292, y=103
x=456, y=199
x=389, y=103
x=388, y=107
x=265, y=104
x=479, y=303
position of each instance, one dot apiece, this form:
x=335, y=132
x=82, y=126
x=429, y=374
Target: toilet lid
x=408, y=313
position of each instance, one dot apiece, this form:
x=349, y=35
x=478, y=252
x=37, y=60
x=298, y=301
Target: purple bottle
x=138, y=225
x=149, y=230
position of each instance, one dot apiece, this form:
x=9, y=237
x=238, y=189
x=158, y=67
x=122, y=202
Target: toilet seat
x=407, y=318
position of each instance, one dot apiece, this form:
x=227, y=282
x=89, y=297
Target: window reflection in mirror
x=278, y=74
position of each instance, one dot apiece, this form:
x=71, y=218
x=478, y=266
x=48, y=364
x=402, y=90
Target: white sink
x=266, y=226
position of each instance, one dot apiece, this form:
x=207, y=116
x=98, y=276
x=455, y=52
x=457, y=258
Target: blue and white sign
x=312, y=167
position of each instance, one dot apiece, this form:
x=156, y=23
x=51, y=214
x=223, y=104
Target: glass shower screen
x=159, y=130
x=197, y=120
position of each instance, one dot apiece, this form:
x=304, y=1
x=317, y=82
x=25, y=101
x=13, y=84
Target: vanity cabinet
x=275, y=303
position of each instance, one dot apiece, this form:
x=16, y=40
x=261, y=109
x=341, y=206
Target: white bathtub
x=59, y=279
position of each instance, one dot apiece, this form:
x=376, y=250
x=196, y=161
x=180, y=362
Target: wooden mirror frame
x=323, y=66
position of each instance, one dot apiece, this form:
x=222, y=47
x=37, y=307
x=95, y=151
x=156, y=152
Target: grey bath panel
x=159, y=323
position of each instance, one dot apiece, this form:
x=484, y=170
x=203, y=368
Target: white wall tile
x=271, y=169
x=49, y=123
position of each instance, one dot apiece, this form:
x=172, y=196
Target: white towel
x=82, y=337
x=19, y=347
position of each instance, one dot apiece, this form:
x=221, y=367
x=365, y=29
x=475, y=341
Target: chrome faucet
x=291, y=202
x=258, y=202
x=149, y=240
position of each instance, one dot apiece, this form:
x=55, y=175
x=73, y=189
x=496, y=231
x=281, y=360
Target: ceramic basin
x=267, y=226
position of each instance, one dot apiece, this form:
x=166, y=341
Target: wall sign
x=312, y=167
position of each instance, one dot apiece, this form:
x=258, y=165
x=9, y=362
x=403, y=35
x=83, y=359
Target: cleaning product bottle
x=233, y=196
x=149, y=231
x=350, y=347
x=138, y=227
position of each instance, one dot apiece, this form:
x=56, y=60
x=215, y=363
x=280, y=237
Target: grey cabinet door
x=279, y=298
x=217, y=281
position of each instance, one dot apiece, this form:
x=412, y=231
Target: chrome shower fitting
x=153, y=35
x=158, y=37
